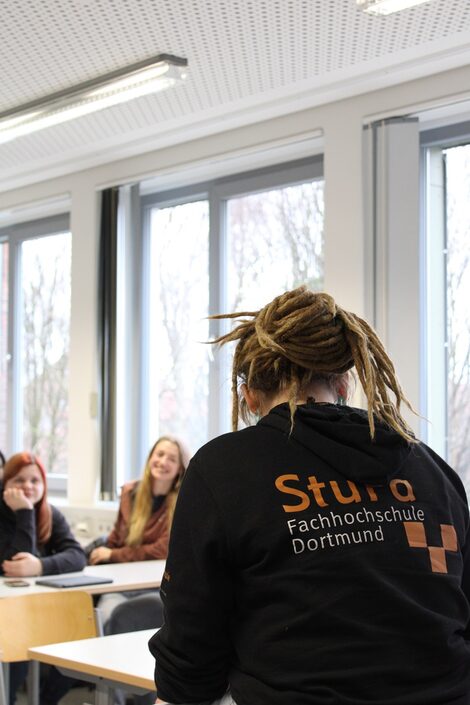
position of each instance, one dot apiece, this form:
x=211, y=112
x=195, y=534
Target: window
x=274, y=243
x=214, y=247
x=35, y=272
x=457, y=171
x=447, y=159
x=178, y=307
x=3, y=345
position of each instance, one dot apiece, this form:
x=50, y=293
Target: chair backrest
x=43, y=618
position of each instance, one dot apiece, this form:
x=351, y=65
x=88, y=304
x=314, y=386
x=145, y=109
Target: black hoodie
x=316, y=568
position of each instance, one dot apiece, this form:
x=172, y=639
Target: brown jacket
x=156, y=533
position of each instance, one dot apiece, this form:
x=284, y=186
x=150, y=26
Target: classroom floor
x=77, y=696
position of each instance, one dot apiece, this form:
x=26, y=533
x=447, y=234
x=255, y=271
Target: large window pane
x=179, y=300
x=275, y=243
x=262, y=234
x=3, y=345
x=458, y=311
x=45, y=289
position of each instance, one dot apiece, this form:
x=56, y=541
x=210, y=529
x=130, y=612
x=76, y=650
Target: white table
x=117, y=661
x=137, y=575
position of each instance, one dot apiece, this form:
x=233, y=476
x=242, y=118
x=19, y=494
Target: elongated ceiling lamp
x=386, y=7
x=149, y=76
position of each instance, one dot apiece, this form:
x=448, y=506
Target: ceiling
x=248, y=60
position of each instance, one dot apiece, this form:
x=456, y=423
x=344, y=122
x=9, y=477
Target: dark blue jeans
x=18, y=673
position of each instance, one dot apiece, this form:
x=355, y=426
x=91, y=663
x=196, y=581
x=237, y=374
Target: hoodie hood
x=340, y=436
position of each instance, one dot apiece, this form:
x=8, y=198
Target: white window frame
x=433, y=236
x=15, y=235
x=217, y=192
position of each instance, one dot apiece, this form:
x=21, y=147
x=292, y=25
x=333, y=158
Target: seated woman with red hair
x=35, y=538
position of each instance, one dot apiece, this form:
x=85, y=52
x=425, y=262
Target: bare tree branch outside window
x=458, y=312
x=275, y=243
x=3, y=344
x=46, y=264
x=178, y=309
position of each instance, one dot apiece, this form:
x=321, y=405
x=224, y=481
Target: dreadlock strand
x=235, y=406
x=267, y=341
x=235, y=334
x=293, y=393
x=385, y=379
x=220, y=316
x=362, y=363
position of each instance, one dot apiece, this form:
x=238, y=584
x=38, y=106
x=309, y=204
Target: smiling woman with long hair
x=141, y=532
x=142, y=527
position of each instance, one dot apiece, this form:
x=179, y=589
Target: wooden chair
x=40, y=619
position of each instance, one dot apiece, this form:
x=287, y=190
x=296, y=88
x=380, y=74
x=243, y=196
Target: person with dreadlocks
x=320, y=556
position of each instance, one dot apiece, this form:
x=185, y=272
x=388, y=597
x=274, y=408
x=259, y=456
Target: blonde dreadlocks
x=302, y=337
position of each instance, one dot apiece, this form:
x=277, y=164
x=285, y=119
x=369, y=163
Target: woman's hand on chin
x=16, y=499
x=22, y=565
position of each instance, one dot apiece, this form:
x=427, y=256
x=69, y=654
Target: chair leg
x=103, y=694
x=4, y=683
x=98, y=621
x=33, y=683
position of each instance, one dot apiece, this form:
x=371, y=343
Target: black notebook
x=72, y=581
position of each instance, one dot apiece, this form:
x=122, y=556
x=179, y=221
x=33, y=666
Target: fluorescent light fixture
x=386, y=7
x=143, y=78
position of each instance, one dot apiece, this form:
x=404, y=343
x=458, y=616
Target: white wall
x=346, y=268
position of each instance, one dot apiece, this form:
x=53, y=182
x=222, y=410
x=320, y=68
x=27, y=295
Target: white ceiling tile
x=238, y=51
